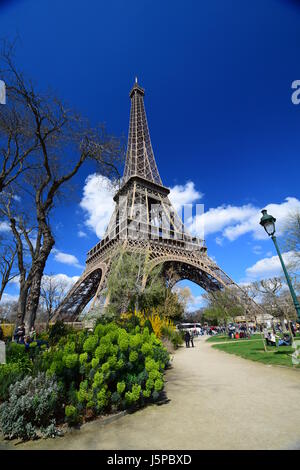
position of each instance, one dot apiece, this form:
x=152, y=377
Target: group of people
x=270, y=338
x=189, y=338
x=277, y=332
x=241, y=330
x=20, y=336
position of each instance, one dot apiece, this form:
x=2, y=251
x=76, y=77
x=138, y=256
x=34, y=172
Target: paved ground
x=217, y=401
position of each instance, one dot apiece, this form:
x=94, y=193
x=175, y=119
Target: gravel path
x=217, y=401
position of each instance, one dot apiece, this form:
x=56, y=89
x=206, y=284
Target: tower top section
x=136, y=89
x=140, y=159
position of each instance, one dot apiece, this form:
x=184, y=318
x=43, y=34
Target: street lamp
x=268, y=223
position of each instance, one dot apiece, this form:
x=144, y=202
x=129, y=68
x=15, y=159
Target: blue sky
x=218, y=78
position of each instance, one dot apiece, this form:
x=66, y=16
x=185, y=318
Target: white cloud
x=216, y=219
x=234, y=221
x=279, y=211
x=257, y=249
x=66, y=258
x=8, y=298
x=184, y=194
x=81, y=234
x=268, y=267
x=4, y=227
x=65, y=281
x=97, y=202
x=15, y=280
x=197, y=301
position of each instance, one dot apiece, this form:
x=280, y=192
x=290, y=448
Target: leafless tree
x=7, y=264
x=56, y=143
x=291, y=236
x=275, y=299
x=26, y=247
x=8, y=311
x=53, y=290
x=18, y=140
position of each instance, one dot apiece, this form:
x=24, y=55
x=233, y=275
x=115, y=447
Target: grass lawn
x=221, y=338
x=254, y=350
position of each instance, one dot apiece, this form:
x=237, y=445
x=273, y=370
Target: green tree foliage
x=131, y=286
x=223, y=306
x=171, y=307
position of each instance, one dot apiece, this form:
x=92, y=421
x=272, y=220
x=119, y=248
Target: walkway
x=217, y=401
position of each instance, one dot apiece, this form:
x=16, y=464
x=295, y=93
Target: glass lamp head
x=268, y=222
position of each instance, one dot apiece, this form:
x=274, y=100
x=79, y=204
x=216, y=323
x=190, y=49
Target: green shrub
x=31, y=409
x=113, y=367
x=72, y=416
x=148, y=325
x=90, y=344
x=14, y=351
x=175, y=337
x=18, y=365
x=9, y=374
x=57, y=331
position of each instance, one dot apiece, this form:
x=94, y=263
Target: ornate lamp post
x=268, y=223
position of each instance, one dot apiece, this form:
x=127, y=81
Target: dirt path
x=217, y=401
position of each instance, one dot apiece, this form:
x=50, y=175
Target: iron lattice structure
x=144, y=221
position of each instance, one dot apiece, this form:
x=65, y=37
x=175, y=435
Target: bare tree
x=275, y=299
x=21, y=233
x=58, y=143
x=8, y=311
x=7, y=264
x=291, y=236
x=18, y=141
x=53, y=290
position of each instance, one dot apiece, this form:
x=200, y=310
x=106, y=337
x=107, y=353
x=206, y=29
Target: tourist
x=19, y=333
x=285, y=341
x=187, y=338
x=231, y=333
x=271, y=339
x=192, y=338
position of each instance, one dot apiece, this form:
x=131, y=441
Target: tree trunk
x=37, y=269
x=22, y=300
x=283, y=324
x=21, y=309
x=3, y=285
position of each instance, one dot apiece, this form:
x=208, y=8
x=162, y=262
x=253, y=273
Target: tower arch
x=83, y=291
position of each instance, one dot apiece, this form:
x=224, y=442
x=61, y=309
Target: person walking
x=187, y=338
x=192, y=338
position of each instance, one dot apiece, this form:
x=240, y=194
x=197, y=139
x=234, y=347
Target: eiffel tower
x=143, y=221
